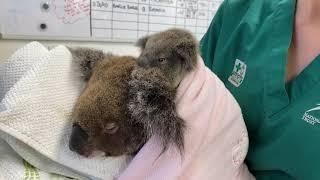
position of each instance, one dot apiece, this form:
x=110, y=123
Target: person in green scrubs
x=267, y=54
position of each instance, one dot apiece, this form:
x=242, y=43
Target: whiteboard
x=102, y=20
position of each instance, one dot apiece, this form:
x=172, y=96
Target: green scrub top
x=247, y=45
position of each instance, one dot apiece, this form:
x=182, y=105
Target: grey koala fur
x=151, y=103
x=166, y=57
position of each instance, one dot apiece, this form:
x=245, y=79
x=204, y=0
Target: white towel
x=19, y=63
x=39, y=91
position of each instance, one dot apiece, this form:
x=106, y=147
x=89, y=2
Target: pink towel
x=216, y=140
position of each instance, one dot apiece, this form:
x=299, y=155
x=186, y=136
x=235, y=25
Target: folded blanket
x=39, y=88
x=216, y=140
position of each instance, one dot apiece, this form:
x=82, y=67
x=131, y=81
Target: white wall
x=7, y=47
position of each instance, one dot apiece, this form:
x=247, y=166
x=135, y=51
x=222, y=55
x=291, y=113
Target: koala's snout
x=79, y=140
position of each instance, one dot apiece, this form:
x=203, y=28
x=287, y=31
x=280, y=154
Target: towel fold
x=18, y=64
x=38, y=91
x=216, y=140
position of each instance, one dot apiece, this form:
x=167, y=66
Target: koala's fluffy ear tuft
x=86, y=58
x=187, y=49
x=141, y=43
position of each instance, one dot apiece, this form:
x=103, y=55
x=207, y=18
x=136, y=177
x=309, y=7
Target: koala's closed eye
x=111, y=128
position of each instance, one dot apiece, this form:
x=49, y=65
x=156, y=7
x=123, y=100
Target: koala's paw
x=151, y=103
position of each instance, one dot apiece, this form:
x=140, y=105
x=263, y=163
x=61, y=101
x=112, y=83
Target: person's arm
x=209, y=40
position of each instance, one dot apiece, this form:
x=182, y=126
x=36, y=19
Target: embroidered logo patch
x=238, y=73
x=309, y=115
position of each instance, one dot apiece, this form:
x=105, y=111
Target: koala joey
x=127, y=100
x=173, y=51
x=166, y=58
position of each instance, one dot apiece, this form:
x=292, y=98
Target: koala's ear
x=86, y=58
x=141, y=43
x=187, y=49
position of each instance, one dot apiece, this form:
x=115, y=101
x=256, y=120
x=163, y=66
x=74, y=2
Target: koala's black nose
x=78, y=138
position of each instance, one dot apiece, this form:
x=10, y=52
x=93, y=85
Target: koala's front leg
x=151, y=103
x=87, y=58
